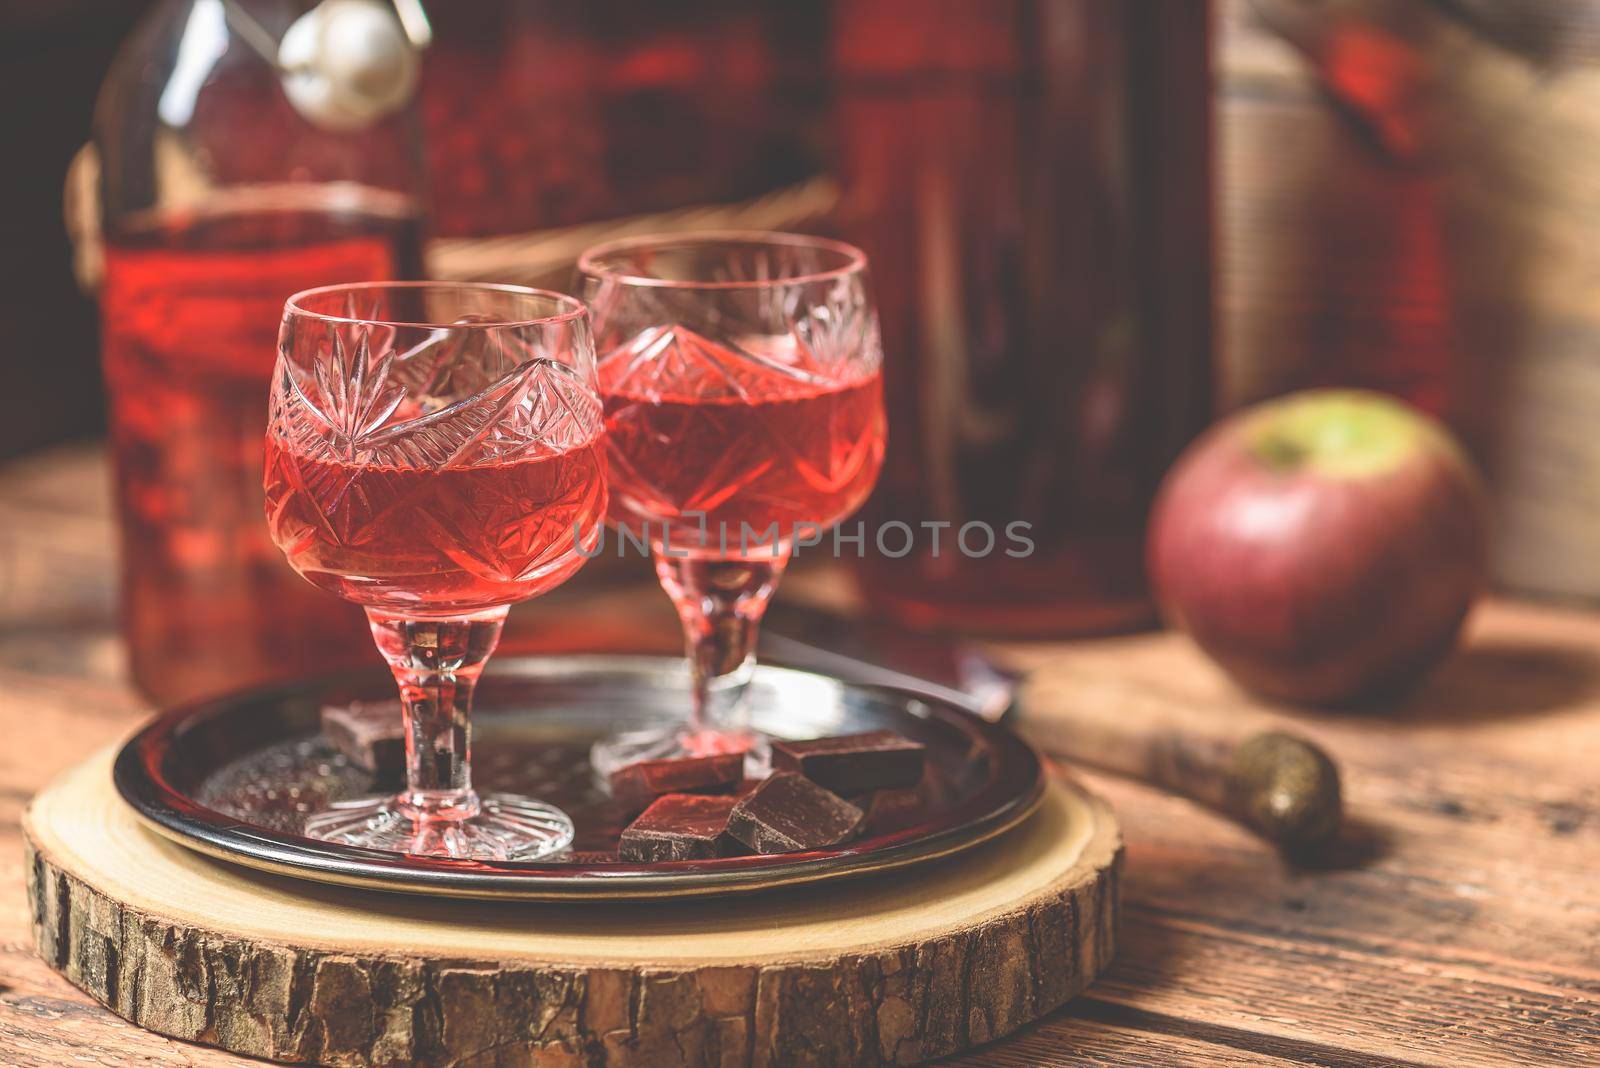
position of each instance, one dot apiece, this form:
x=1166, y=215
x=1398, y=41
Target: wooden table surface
x=1458, y=923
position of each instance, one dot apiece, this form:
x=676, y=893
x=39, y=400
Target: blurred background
x=1094, y=226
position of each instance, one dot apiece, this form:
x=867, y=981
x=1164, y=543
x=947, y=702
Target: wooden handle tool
x=1281, y=785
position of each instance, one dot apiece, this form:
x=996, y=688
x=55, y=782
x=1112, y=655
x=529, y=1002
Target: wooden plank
x=1096, y=1032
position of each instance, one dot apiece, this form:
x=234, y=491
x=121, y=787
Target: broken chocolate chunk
x=635, y=786
x=680, y=827
x=854, y=763
x=888, y=811
x=371, y=733
x=788, y=813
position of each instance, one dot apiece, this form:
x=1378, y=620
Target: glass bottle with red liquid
x=1031, y=179
x=220, y=198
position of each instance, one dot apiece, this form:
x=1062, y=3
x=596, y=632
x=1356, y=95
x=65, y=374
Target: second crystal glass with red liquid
x=434, y=454
x=744, y=412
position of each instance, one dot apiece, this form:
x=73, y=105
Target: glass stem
x=437, y=663
x=721, y=603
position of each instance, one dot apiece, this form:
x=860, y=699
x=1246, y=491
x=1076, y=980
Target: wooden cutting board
x=887, y=970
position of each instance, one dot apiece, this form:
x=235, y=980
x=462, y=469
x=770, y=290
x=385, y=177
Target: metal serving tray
x=236, y=777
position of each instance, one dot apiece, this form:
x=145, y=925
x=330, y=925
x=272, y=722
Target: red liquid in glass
x=190, y=311
x=776, y=451
x=437, y=540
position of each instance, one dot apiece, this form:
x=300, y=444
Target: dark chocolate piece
x=854, y=763
x=371, y=733
x=888, y=811
x=679, y=827
x=635, y=786
x=789, y=812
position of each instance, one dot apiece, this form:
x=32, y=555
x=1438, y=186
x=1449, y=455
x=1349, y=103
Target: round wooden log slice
x=886, y=970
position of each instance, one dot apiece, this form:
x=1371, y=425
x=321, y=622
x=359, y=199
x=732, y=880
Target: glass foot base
x=674, y=744
x=505, y=827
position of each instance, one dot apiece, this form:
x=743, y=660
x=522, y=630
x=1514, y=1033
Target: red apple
x=1324, y=547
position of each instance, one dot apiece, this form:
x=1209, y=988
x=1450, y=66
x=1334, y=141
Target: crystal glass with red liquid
x=435, y=453
x=744, y=414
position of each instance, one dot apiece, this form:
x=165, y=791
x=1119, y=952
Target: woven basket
x=542, y=258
